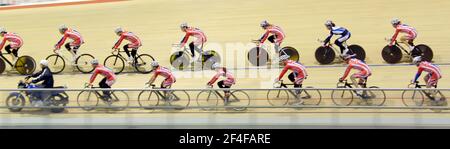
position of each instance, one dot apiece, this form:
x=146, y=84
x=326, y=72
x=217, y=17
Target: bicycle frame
x=283, y=85
x=416, y=85
x=6, y=60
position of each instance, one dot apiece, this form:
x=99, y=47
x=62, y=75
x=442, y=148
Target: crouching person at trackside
x=46, y=77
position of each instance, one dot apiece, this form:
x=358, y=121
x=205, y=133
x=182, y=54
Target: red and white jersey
x=221, y=73
x=163, y=71
x=197, y=33
x=72, y=34
x=430, y=68
x=13, y=38
x=104, y=71
x=129, y=36
x=403, y=28
x=294, y=67
x=358, y=65
x=275, y=30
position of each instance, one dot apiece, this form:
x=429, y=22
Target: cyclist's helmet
x=184, y=25
x=395, y=21
x=154, y=64
x=2, y=30
x=44, y=62
x=62, y=28
x=119, y=30
x=94, y=62
x=264, y=23
x=284, y=57
x=215, y=66
x=329, y=23
x=416, y=60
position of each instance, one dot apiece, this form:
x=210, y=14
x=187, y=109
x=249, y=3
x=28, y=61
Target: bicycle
x=259, y=56
x=17, y=100
x=179, y=99
x=393, y=54
x=282, y=97
x=181, y=58
x=416, y=98
x=25, y=65
x=345, y=97
x=88, y=100
x=57, y=62
x=327, y=54
x=210, y=98
x=142, y=63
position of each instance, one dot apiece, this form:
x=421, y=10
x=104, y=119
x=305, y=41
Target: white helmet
x=184, y=25
x=284, y=57
x=395, y=21
x=215, y=65
x=118, y=30
x=264, y=23
x=44, y=62
x=62, y=28
x=94, y=62
x=347, y=56
x=416, y=60
x=2, y=30
x=329, y=23
x=155, y=64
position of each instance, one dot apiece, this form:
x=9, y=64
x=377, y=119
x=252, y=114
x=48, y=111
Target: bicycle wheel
x=292, y=52
x=239, y=98
x=120, y=100
x=311, y=97
x=207, y=99
x=178, y=99
x=277, y=97
x=84, y=63
x=391, y=54
x=342, y=97
x=148, y=98
x=115, y=63
x=424, y=51
x=325, y=55
x=25, y=65
x=15, y=102
x=179, y=60
x=375, y=97
x=2, y=66
x=258, y=60
x=87, y=100
x=209, y=58
x=143, y=63
x=56, y=63
x=359, y=51
x=412, y=98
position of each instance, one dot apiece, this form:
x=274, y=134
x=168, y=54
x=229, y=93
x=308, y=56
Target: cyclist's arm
x=264, y=37
x=153, y=78
x=61, y=41
x=327, y=40
x=285, y=69
x=419, y=72
x=93, y=76
x=185, y=39
x=214, y=79
x=41, y=76
x=347, y=71
x=119, y=42
x=394, y=37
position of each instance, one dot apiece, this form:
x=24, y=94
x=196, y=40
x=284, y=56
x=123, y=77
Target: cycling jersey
x=364, y=70
x=403, y=28
x=197, y=33
x=434, y=73
x=275, y=30
x=104, y=71
x=14, y=39
x=72, y=34
x=135, y=42
x=230, y=80
x=298, y=69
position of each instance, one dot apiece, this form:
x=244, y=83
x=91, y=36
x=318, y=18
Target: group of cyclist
x=273, y=34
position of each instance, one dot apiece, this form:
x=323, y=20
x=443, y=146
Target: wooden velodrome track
x=234, y=21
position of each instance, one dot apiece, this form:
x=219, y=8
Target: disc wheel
x=2, y=66
x=25, y=65
x=325, y=55
x=391, y=54
x=179, y=60
x=209, y=58
x=424, y=51
x=256, y=59
x=359, y=51
x=292, y=52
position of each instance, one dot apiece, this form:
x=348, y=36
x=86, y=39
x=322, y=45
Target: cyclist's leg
x=127, y=51
x=340, y=43
x=12, y=51
x=104, y=84
x=431, y=83
x=223, y=84
x=198, y=46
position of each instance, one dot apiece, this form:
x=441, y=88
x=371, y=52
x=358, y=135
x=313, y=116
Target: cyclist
x=434, y=73
x=196, y=45
x=276, y=38
x=134, y=44
x=46, y=77
x=163, y=71
x=108, y=80
x=363, y=71
x=73, y=46
x=227, y=83
x=336, y=30
x=15, y=42
x=407, y=39
x=298, y=72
